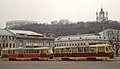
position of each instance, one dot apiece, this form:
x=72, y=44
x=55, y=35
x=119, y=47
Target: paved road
x=60, y=64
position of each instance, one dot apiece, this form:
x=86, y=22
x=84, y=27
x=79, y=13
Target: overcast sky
x=50, y=10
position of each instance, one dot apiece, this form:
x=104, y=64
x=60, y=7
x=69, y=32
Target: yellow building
x=7, y=40
x=79, y=40
x=24, y=39
x=30, y=39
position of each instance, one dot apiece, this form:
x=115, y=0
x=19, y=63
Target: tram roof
x=100, y=45
x=96, y=45
x=25, y=48
x=72, y=46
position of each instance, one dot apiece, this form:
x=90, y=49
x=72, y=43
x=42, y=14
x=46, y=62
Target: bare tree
x=114, y=40
x=117, y=43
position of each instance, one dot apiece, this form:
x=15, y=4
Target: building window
x=6, y=44
x=20, y=42
x=64, y=44
x=84, y=43
x=13, y=45
x=10, y=45
x=2, y=37
x=81, y=44
x=9, y=37
x=3, y=45
x=12, y=37
x=68, y=38
x=6, y=37
x=0, y=45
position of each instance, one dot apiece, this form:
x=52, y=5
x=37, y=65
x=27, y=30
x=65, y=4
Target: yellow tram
x=42, y=53
x=88, y=52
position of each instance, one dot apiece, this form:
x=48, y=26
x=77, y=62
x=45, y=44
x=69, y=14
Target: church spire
x=97, y=14
x=101, y=8
x=106, y=14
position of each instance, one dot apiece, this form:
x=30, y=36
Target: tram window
x=46, y=50
x=74, y=50
x=30, y=51
x=24, y=51
x=86, y=49
x=111, y=49
x=92, y=49
x=68, y=50
x=20, y=52
x=43, y=51
x=37, y=51
x=5, y=52
x=27, y=51
x=62, y=50
x=107, y=49
x=8, y=51
x=13, y=51
x=80, y=49
x=101, y=49
x=57, y=50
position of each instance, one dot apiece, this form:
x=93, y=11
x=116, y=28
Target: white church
x=102, y=16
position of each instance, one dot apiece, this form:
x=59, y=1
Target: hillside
x=69, y=29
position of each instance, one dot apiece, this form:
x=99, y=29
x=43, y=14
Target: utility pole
x=103, y=30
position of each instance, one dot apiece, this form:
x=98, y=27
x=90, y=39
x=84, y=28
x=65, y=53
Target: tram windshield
x=109, y=48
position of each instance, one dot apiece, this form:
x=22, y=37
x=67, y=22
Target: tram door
x=20, y=53
x=43, y=53
x=101, y=51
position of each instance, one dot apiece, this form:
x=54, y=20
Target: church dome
x=101, y=12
